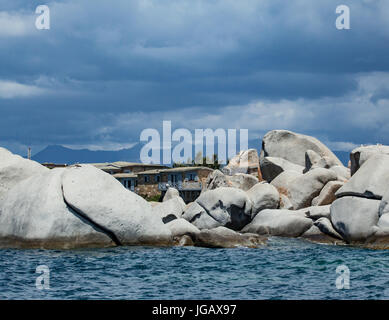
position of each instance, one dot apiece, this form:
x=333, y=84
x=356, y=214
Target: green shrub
x=156, y=198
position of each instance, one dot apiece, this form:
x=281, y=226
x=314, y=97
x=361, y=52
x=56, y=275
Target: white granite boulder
x=241, y=181
x=384, y=204
x=325, y=226
x=285, y=180
x=276, y=222
x=242, y=161
x=215, y=179
x=199, y=217
x=170, y=209
x=229, y=207
x=315, y=235
x=34, y=215
x=383, y=213
x=14, y=169
x=170, y=193
x=313, y=160
x=183, y=241
x=101, y=199
x=263, y=196
x=343, y=173
x=285, y=203
x=370, y=181
x=327, y=194
x=180, y=227
x=383, y=223
x=305, y=188
x=361, y=154
x=293, y=146
x=271, y=167
x=222, y=237
x=317, y=212
x=355, y=218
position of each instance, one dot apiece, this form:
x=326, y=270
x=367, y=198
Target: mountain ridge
x=64, y=155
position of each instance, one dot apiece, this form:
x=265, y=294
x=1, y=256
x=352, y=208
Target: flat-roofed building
x=107, y=167
x=125, y=167
x=54, y=165
x=134, y=167
x=153, y=180
x=126, y=172
x=189, y=181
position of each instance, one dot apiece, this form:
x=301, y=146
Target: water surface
x=284, y=269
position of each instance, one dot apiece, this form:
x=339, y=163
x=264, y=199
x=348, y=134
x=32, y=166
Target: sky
x=106, y=70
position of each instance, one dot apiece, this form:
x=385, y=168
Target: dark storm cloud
x=102, y=61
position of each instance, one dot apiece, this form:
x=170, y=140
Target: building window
x=136, y=183
x=173, y=178
x=192, y=177
x=158, y=178
x=147, y=179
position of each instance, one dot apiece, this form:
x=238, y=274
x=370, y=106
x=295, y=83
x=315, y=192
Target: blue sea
x=284, y=269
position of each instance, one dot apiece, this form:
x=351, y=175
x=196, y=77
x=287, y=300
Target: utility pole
x=29, y=153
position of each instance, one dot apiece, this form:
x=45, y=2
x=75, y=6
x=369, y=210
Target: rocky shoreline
x=303, y=191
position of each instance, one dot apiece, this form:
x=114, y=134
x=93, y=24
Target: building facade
x=126, y=167
x=189, y=181
x=152, y=181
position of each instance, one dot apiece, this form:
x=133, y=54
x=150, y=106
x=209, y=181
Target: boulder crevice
x=82, y=216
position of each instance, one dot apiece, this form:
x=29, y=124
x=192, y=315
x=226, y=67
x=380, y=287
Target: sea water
x=283, y=269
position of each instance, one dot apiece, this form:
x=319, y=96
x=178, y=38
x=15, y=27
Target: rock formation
x=307, y=193
x=78, y=206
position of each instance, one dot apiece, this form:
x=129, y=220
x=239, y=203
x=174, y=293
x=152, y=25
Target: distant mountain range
x=60, y=154
x=343, y=156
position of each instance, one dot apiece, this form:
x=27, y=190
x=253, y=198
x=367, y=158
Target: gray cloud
x=106, y=70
